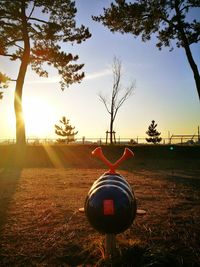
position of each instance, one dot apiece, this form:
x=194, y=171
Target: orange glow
x=39, y=117
x=54, y=158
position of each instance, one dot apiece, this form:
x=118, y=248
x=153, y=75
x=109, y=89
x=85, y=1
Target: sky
x=164, y=87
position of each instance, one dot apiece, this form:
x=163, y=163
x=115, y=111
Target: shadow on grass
x=157, y=256
x=187, y=180
x=8, y=183
x=74, y=255
x=133, y=256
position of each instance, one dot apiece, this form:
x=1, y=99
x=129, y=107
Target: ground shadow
x=8, y=181
x=191, y=180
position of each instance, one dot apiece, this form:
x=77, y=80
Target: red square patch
x=108, y=207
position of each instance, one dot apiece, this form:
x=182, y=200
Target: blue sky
x=165, y=89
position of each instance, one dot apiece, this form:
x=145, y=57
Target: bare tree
x=117, y=99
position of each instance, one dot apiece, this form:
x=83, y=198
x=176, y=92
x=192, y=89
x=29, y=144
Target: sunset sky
x=165, y=89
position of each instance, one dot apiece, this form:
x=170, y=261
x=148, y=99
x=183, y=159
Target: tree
x=32, y=32
x=113, y=104
x=171, y=20
x=66, y=131
x=3, y=83
x=153, y=134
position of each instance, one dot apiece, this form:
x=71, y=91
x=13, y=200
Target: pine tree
x=3, y=83
x=172, y=23
x=66, y=131
x=153, y=134
x=36, y=34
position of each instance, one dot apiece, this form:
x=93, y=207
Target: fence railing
x=174, y=139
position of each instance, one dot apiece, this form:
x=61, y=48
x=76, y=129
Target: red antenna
x=112, y=166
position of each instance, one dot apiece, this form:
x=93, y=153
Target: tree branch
x=187, y=7
x=13, y=42
x=10, y=55
x=128, y=93
x=103, y=99
x=7, y=24
x=31, y=11
x=39, y=20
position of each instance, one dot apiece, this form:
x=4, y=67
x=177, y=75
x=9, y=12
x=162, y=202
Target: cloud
x=52, y=79
x=56, y=78
x=98, y=74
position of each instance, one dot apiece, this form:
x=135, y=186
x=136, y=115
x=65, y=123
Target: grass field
x=40, y=224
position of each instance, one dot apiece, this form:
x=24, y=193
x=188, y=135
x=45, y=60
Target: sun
x=39, y=116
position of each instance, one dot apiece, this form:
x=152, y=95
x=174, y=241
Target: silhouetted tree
x=3, y=83
x=153, y=134
x=171, y=20
x=66, y=131
x=116, y=100
x=32, y=32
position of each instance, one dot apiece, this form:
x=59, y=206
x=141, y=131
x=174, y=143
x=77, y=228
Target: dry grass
x=40, y=224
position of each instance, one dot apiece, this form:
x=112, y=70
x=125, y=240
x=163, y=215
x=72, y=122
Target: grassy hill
x=79, y=156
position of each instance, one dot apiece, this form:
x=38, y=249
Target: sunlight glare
x=39, y=117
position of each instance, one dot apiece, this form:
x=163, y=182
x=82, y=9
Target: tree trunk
x=111, y=132
x=111, y=129
x=192, y=64
x=187, y=49
x=20, y=125
x=194, y=68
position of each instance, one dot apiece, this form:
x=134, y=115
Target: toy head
x=110, y=205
